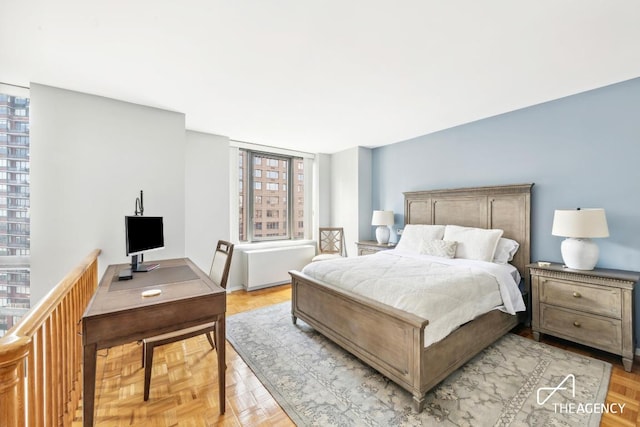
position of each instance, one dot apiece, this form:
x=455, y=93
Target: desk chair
x=330, y=244
x=219, y=274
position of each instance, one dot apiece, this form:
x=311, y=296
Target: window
x=264, y=174
x=14, y=207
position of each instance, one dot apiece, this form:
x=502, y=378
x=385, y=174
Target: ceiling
x=322, y=76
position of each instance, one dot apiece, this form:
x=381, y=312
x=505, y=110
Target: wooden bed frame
x=391, y=340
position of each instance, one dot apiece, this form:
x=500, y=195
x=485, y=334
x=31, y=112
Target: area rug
x=516, y=381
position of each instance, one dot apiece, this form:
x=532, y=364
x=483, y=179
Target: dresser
x=368, y=247
x=590, y=307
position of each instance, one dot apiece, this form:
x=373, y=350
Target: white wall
x=351, y=194
x=365, y=209
x=90, y=157
x=322, y=192
x=206, y=195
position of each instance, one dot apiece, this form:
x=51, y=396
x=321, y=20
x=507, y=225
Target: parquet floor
x=184, y=388
x=184, y=385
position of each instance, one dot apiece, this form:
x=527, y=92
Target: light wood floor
x=184, y=388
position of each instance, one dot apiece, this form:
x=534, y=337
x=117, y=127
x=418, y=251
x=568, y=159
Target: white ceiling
x=323, y=75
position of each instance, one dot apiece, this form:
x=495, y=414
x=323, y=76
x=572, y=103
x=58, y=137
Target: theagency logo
x=569, y=383
x=553, y=390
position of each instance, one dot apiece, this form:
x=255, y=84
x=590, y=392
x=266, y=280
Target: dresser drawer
x=592, y=299
x=602, y=332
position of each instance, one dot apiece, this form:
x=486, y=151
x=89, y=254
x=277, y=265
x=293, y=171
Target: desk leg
x=88, y=383
x=221, y=347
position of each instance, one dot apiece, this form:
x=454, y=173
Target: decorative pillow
x=441, y=248
x=414, y=234
x=505, y=250
x=473, y=243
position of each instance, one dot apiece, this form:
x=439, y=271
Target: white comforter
x=447, y=292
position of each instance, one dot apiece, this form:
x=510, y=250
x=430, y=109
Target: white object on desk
x=151, y=292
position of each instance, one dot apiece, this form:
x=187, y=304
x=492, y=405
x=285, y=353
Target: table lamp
x=383, y=219
x=579, y=226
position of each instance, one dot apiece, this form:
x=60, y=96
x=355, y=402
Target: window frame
x=249, y=215
x=239, y=174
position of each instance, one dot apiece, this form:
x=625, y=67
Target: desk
x=118, y=314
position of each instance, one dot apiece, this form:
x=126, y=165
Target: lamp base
x=382, y=234
x=579, y=254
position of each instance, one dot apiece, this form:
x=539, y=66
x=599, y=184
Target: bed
x=391, y=340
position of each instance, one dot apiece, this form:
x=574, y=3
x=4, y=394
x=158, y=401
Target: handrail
x=41, y=356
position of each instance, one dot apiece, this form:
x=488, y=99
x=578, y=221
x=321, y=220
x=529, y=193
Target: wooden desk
x=118, y=314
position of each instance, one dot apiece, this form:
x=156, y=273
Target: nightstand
x=368, y=247
x=590, y=307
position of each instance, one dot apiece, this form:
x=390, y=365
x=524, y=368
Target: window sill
x=276, y=244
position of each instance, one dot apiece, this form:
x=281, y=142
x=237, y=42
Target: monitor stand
x=138, y=267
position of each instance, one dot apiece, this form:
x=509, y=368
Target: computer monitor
x=143, y=234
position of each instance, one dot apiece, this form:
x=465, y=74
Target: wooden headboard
x=506, y=207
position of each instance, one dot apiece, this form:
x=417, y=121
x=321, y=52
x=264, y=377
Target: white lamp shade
x=580, y=223
x=382, y=218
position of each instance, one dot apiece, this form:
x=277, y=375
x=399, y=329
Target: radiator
x=269, y=267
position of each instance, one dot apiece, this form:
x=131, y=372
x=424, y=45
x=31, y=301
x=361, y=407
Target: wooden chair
x=330, y=244
x=219, y=274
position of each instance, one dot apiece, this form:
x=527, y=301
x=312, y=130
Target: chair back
x=221, y=263
x=331, y=241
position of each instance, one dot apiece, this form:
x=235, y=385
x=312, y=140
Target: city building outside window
x=14, y=209
x=273, y=170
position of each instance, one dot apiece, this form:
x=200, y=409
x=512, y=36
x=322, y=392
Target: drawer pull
x=576, y=324
x=577, y=295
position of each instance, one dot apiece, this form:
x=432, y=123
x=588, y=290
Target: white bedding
x=447, y=292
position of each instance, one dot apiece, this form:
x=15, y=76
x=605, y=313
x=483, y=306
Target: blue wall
x=580, y=151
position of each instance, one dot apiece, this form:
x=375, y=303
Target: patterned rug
x=513, y=382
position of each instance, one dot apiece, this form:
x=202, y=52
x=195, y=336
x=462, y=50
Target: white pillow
x=505, y=250
x=473, y=243
x=414, y=234
x=441, y=248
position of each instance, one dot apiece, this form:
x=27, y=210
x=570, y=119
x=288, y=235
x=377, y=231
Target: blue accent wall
x=580, y=151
